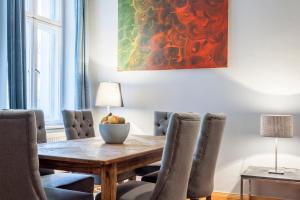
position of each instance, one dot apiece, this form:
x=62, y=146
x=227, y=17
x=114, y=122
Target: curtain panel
x=83, y=100
x=16, y=53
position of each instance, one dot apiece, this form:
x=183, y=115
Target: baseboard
x=228, y=196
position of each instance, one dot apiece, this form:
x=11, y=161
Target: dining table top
x=95, y=150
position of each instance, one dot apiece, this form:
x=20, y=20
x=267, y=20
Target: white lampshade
x=280, y=126
x=109, y=94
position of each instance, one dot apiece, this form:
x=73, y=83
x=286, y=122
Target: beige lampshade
x=280, y=126
x=109, y=94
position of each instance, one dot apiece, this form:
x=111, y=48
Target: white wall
x=263, y=77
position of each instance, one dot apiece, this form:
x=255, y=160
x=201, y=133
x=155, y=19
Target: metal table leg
x=242, y=189
x=249, y=189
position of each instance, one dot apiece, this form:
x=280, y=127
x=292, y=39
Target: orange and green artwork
x=172, y=34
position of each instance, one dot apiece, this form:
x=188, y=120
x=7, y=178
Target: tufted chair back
x=78, y=124
x=161, y=122
x=19, y=162
x=40, y=125
x=201, y=181
x=177, y=157
x=41, y=135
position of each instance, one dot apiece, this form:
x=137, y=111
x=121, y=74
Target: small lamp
x=277, y=126
x=113, y=129
x=110, y=95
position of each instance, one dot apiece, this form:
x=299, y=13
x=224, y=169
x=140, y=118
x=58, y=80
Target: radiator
x=56, y=136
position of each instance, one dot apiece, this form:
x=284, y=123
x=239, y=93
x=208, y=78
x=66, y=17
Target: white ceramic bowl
x=114, y=133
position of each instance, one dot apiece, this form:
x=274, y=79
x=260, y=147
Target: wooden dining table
x=94, y=156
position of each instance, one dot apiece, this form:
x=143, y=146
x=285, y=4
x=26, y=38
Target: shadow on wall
x=201, y=89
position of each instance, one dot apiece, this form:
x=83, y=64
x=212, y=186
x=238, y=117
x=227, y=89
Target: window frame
x=32, y=69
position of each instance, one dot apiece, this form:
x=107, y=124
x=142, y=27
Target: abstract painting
x=172, y=34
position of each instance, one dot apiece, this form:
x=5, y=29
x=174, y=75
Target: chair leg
x=194, y=198
x=208, y=198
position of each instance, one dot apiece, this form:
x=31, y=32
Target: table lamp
x=277, y=126
x=109, y=95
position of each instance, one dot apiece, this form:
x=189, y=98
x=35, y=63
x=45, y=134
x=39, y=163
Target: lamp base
x=272, y=171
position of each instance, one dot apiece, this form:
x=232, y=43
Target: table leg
x=109, y=182
x=249, y=189
x=242, y=189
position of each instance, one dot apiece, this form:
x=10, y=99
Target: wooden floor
x=226, y=196
x=216, y=196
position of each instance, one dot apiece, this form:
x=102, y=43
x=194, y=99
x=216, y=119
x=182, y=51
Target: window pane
x=29, y=61
x=48, y=71
x=43, y=46
x=3, y=56
x=29, y=6
x=50, y=9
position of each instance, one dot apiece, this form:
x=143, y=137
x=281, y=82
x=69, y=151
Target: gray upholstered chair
x=201, y=181
x=78, y=124
x=176, y=164
x=70, y=181
x=161, y=122
x=19, y=164
x=41, y=135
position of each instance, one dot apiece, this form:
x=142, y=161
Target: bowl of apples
x=114, y=129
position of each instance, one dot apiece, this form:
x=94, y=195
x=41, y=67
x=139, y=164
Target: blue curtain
x=16, y=48
x=81, y=59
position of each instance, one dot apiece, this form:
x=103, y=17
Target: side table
x=262, y=173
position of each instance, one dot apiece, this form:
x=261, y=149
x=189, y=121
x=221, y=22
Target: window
x=3, y=56
x=44, y=57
